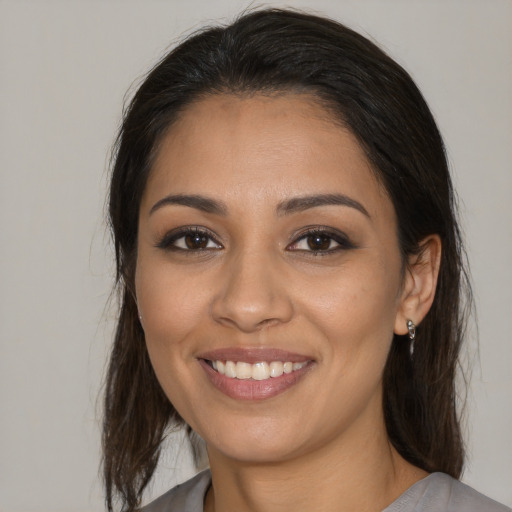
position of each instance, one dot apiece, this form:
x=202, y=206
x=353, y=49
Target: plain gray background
x=65, y=67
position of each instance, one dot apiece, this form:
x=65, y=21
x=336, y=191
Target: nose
x=253, y=294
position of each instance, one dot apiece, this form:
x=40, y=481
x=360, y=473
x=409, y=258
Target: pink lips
x=249, y=389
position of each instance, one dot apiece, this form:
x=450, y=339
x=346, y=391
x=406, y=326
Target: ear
x=419, y=286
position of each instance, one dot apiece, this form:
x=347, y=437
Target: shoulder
x=442, y=493
x=186, y=497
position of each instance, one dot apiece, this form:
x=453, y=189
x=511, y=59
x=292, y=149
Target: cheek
x=355, y=310
x=361, y=296
x=356, y=315
x=171, y=306
x=173, y=310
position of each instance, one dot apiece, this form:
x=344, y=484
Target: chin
x=256, y=443
x=252, y=452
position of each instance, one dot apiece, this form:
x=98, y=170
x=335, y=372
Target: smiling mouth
x=254, y=373
x=257, y=371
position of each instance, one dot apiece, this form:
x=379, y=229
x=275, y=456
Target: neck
x=356, y=473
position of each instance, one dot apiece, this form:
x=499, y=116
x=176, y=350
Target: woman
x=291, y=277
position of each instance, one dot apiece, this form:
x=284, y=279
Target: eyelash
x=326, y=233
x=168, y=242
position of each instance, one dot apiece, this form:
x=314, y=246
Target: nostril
x=268, y=322
x=252, y=296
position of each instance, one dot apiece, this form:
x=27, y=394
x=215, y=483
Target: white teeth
x=258, y=371
x=243, y=370
x=230, y=369
x=276, y=369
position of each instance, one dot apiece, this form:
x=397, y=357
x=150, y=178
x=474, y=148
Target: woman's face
x=269, y=277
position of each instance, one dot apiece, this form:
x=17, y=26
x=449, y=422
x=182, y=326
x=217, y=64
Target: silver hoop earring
x=412, y=334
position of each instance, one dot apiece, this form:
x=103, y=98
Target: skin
x=321, y=444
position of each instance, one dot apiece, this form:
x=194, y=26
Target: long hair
x=269, y=51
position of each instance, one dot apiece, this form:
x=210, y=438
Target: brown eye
x=196, y=241
x=189, y=239
x=318, y=242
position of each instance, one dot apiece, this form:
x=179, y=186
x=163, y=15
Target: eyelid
x=167, y=241
x=336, y=235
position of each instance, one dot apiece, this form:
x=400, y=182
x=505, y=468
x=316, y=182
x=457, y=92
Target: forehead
x=261, y=147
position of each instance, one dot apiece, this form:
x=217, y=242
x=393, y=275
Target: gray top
x=437, y=492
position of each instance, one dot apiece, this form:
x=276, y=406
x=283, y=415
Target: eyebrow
x=299, y=204
x=294, y=205
x=202, y=203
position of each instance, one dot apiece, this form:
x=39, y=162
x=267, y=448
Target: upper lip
x=253, y=355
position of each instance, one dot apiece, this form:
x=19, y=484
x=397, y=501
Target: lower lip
x=249, y=389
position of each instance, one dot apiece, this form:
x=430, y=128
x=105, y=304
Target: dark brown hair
x=269, y=51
